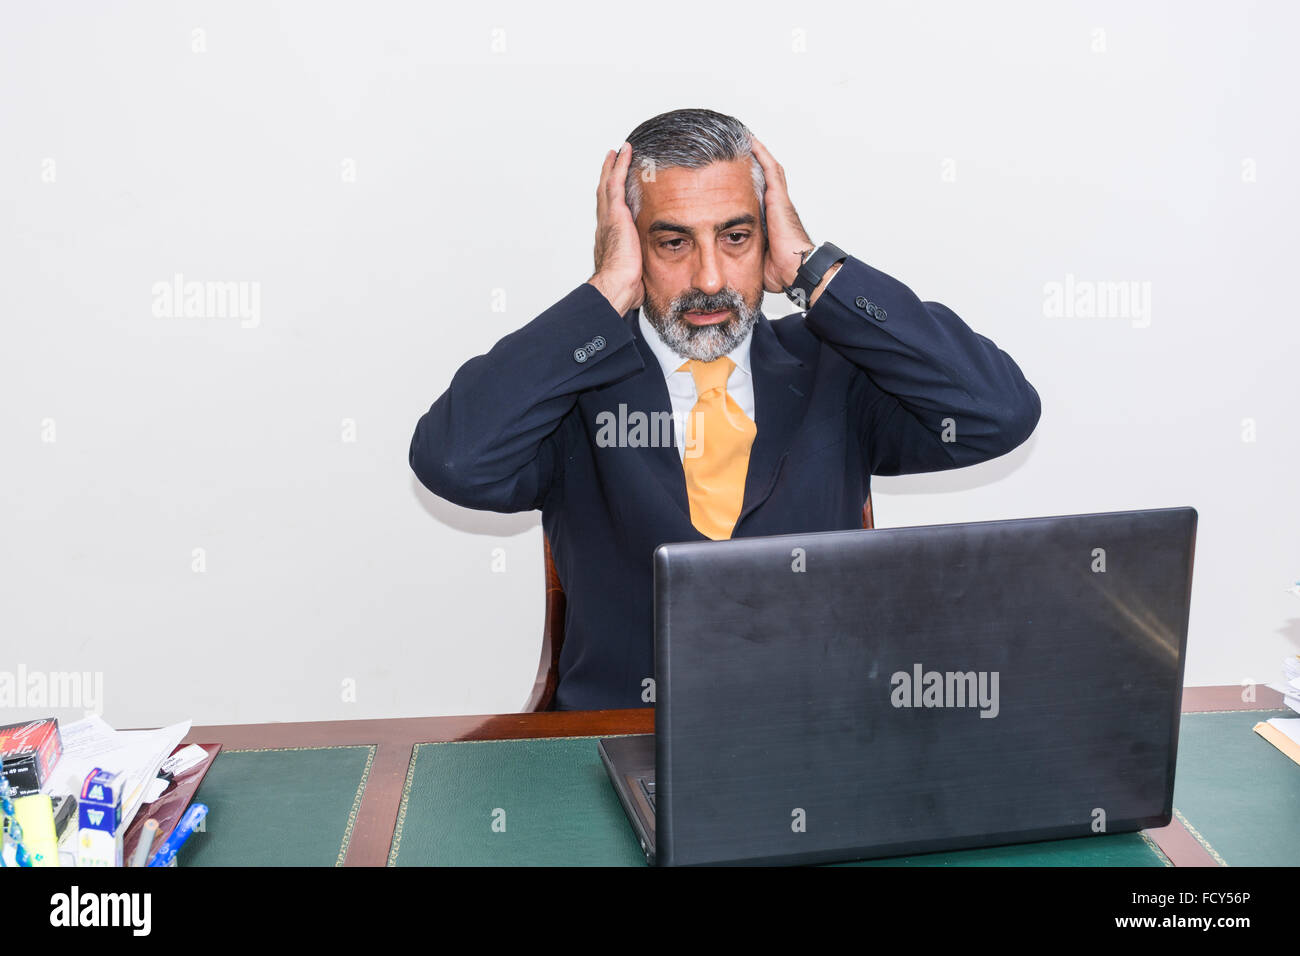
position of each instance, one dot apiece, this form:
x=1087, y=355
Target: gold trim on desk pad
x=1155, y=848
x=1196, y=834
x=356, y=799
x=415, y=753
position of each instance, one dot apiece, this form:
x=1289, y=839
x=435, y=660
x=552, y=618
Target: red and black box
x=29, y=752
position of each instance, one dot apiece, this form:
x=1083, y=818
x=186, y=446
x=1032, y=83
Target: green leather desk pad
x=1237, y=793
x=279, y=807
x=1234, y=791
x=549, y=802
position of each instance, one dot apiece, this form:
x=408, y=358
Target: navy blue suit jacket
x=863, y=383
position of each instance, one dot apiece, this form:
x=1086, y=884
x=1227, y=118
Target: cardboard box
x=29, y=752
x=99, y=812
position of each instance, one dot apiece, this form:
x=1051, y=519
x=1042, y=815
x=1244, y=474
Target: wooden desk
x=394, y=740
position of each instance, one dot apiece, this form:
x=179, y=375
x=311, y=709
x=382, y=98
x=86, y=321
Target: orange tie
x=718, y=438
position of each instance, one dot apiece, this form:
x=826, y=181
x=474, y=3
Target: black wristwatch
x=812, y=271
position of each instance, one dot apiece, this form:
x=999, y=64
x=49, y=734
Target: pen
x=167, y=852
x=147, y=836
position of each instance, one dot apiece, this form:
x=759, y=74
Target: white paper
x=137, y=754
x=155, y=789
x=186, y=759
x=1288, y=725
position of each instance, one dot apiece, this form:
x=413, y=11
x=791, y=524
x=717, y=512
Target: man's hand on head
x=787, y=240
x=617, y=251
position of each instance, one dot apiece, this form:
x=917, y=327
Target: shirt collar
x=670, y=361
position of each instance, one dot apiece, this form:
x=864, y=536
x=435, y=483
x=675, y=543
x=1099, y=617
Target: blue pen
x=167, y=852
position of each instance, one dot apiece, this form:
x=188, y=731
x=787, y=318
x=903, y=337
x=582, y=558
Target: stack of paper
x=1291, y=682
x=137, y=754
x=1284, y=733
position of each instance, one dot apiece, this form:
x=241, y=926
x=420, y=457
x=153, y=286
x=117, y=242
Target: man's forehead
x=699, y=196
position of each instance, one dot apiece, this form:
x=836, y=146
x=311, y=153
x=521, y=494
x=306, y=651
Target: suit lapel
x=781, y=388
x=648, y=392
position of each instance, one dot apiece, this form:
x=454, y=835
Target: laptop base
x=630, y=763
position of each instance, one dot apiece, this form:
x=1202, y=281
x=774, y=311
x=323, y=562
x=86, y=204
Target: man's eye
x=743, y=237
x=669, y=244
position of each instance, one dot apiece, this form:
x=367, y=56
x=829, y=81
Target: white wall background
x=975, y=151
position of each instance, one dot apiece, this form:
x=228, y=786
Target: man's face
x=702, y=257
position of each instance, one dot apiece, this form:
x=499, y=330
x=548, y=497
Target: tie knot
x=709, y=375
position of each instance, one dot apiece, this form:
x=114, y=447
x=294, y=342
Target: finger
x=772, y=170
x=765, y=158
x=618, y=176
x=600, y=187
x=608, y=196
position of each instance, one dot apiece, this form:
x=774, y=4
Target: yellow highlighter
x=35, y=814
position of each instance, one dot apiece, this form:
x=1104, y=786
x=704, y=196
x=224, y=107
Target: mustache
x=722, y=302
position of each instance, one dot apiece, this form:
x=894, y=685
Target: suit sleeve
x=492, y=441
x=928, y=376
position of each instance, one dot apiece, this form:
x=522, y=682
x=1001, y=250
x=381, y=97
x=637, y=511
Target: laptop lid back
x=851, y=694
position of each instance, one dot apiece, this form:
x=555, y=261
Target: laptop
x=856, y=694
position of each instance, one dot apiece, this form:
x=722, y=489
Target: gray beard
x=704, y=343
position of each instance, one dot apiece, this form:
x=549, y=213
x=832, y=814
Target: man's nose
x=708, y=272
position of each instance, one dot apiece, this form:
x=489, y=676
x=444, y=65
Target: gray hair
x=693, y=138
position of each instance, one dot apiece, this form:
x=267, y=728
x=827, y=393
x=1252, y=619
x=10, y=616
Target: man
x=655, y=402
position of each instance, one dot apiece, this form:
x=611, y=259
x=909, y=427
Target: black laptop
x=857, y=694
